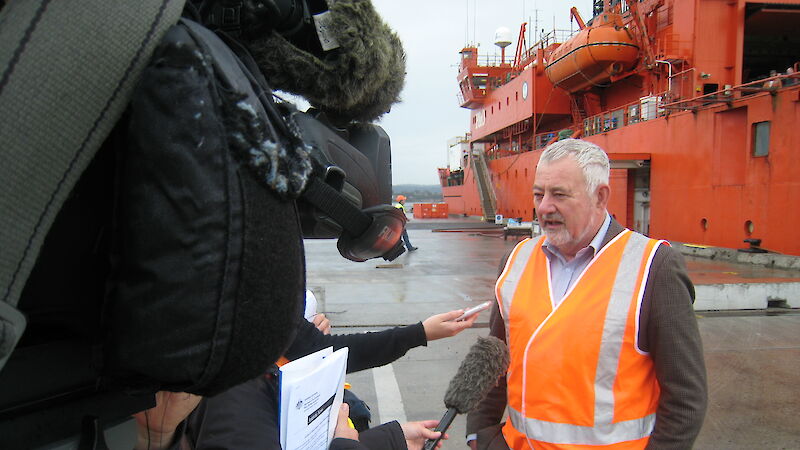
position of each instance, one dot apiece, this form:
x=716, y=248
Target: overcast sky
x=433, y=32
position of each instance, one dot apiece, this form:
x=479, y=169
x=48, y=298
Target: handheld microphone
x=486, y=361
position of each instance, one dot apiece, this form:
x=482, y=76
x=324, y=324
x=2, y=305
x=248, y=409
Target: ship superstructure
x=697, y=103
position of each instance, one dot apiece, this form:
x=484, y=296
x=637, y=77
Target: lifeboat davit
x=592, y=57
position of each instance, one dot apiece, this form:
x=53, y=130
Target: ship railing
x=681, y=84
x=646, y=108
x=728, y=94
x=501, y=150
x=541, y=140
x=515, y=147
x=491, y=61
x=660, y=105
x=556, y=36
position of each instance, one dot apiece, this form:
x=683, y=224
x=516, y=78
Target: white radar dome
x=502, y=37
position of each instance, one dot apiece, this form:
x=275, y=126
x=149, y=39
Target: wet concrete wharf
x=748, y=317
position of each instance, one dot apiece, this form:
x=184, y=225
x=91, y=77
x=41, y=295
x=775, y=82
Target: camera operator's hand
x=156, y=426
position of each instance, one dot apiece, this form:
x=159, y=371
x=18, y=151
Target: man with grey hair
x=604, y=344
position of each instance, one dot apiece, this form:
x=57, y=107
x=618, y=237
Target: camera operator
x=319, y=53
x=164, y=250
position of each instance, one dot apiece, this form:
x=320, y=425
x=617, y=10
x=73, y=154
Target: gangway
x=484, y=183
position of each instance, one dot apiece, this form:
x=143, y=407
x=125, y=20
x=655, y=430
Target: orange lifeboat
x=592, y=57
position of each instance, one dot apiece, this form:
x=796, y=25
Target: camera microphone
x=486, y=361
x=359, y=80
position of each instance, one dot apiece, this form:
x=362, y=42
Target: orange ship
x=697, y=103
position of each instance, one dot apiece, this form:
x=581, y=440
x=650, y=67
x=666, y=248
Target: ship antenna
x=466, y=26
x=475, y=21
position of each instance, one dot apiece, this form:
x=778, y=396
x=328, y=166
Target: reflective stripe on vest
x=507, y=281
x=600, y=434
x=628, y=286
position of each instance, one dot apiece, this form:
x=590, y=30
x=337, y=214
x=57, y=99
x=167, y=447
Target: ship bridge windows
x=484, y=82
x=479, y=81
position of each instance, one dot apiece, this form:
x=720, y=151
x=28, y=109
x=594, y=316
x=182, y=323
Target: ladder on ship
x=484, y=183
x=578, y=110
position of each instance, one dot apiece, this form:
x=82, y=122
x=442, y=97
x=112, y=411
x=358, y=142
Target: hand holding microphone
x=486, y=361
x=417, y=433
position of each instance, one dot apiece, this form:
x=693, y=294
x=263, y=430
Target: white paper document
x=311, y=388
x=311, y=306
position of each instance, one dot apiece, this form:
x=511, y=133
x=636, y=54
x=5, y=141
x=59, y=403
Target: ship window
x=761, y=138
x=709, y=88
x=506, y=101
x=479, y=82
x=516, y=96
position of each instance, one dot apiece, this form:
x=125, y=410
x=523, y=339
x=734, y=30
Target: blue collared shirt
x=563, y=273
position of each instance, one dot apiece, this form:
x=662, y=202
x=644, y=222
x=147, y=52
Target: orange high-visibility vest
x=577, y=378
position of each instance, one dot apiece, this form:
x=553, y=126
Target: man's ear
x=603, y=193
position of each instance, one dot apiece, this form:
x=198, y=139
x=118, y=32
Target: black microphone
x=486, y=361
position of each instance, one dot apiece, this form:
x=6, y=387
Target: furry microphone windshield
x=358, y=81
x=486, y=361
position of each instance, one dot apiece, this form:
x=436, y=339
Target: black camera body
x=356, y=161
x=293, y=19
x=350, y=192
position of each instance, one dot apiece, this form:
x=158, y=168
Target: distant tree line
x=418, y=193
